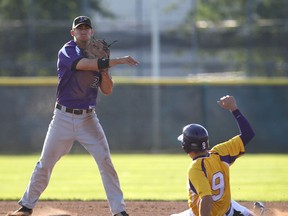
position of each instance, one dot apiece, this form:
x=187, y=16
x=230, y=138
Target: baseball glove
x=98, y=48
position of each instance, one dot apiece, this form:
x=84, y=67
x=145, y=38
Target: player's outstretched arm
x=100, y=64
x=246, y=131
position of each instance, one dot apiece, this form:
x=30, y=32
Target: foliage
x=257, y=27
x=38, y=29
x=269, y=9
x=216, y=10
x=49, y=9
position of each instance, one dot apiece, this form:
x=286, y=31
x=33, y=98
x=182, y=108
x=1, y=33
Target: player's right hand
x=228, y=102
x=124, y=60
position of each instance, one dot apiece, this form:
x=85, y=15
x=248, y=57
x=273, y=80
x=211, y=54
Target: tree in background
x=252, y=28
x=50, y=9
x=216, y=10
x=32, y=31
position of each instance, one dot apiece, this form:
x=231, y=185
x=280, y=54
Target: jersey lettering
x=218, y=185
x=95, y=82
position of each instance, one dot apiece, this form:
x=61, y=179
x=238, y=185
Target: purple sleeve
x=246, y=131
x=68, y=57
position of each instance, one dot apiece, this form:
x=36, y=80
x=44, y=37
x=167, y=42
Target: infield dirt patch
x=134, y=208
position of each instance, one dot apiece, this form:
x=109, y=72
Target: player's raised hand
x=228, y=102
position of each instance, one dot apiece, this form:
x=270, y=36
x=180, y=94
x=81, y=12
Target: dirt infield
x=134, y=208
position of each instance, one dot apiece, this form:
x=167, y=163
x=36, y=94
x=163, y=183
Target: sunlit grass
x=144, y=177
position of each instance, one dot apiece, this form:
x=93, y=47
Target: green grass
x=144, y=177
x=263, y=177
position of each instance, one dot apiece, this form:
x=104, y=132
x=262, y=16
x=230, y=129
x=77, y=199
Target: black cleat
x=123, y=213
x=23, y=211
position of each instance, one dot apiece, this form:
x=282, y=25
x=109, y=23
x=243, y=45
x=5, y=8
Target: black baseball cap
x=80, y=20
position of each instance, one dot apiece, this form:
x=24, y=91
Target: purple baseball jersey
x=76, y=89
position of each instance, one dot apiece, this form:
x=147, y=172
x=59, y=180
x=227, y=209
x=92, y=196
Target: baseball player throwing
x=75, y=117
x=208, y=173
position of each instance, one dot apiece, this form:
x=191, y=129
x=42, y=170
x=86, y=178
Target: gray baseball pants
x=63, y=130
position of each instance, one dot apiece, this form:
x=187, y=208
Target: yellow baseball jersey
x=209, y=175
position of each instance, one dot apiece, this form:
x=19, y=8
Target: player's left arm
x=246, y=131
x=106, y=84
